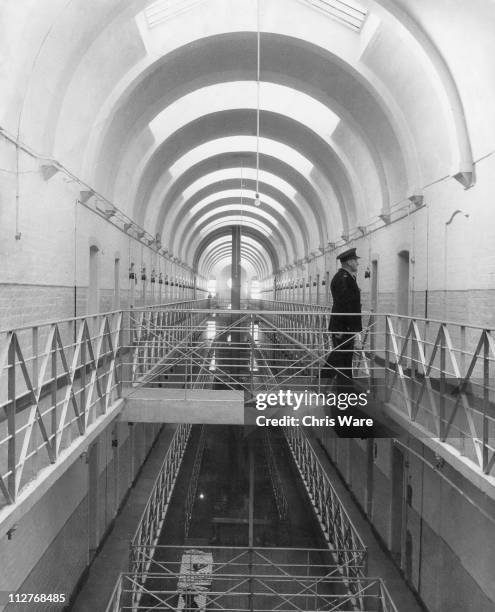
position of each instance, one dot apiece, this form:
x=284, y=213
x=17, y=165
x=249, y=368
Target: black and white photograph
x=247, y=305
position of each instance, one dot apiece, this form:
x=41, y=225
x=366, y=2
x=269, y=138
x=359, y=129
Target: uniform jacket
x=346, y=298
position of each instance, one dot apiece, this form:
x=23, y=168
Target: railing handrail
x=361, y=585
x=328, y=312
x=333, y=578
x=304, y=440
x=178, y=432
x=228, y=311
x=94, y=315
x=246, y=548
x=103, y=352
x=381, y=314
x=313, y=309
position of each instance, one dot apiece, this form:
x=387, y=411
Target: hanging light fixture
x=257, y=199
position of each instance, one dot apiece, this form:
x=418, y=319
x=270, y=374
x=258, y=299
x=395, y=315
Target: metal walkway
x=236, y=578
x=62, y=383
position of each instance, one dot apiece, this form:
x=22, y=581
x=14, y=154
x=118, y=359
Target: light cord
x=258, y=74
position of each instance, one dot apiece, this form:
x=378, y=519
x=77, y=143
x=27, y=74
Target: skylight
x=162, y=10
x=348, y=12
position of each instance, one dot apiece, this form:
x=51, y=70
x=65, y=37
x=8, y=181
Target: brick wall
x=22, y=304
x=453, y=258
x=39, y=270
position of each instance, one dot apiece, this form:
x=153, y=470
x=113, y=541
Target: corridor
x=247, y=334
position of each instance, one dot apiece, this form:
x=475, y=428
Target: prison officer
x=345, y=321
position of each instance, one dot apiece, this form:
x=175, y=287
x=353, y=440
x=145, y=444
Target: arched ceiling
x=213, y=262
x=283, y=183
x=251, y=235
x=154, y=104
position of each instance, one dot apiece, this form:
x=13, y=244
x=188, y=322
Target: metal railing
x=250, y=579
x=154, y=332
x=193, y=481
x=275, y=479
x=57, y=380
x=250, y=350
x=263, y=304
x=441, y=377
x=253, y=593
x=342, y=537
x=60, y=379
x=151, y=521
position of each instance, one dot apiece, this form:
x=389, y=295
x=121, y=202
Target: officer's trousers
x=339, y=361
